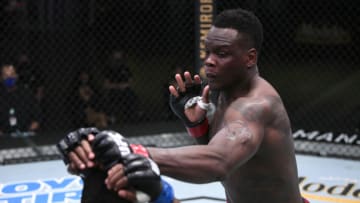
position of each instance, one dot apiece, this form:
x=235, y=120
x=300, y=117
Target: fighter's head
x=232, y=46
x=9, y=75
x=245, y=23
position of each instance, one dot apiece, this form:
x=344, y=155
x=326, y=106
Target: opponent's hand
x=82, y=157
x=110, y=147
x=75, y=149
x=142, y=175
x=180, y=95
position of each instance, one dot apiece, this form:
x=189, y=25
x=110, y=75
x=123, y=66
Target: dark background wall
x=309, y=54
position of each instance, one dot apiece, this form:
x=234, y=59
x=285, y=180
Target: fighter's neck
x=242, y=89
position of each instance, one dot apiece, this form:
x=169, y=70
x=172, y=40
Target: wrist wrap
x=199, y=130
x=139, y=149
x=167, y=193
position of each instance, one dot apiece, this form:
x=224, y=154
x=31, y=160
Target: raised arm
x=235, y=143
x=185, y=100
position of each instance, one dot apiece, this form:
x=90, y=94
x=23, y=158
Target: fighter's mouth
x=211, y=76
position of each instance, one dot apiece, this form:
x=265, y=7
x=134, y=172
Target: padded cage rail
x=327, y=144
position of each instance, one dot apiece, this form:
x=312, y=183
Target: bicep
x=238, y=140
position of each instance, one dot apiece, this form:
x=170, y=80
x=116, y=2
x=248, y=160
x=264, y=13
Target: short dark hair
x=244, y=22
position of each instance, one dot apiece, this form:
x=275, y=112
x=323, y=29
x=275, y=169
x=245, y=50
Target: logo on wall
x=330, y=189
x=204, y=20
x=66, y=189
x=322, y=35
x=327, y=137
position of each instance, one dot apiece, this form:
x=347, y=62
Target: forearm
x=197, y=164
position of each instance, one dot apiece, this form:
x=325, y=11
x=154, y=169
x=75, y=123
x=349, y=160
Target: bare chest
x=217, y=123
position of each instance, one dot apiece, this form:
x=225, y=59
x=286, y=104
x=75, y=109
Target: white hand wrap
x=208, y=107
x=142, y=197
x=192, y=102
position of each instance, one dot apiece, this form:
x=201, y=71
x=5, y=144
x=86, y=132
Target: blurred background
x=109, y=63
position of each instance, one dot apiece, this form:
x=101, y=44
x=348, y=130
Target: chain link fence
x=109, y=63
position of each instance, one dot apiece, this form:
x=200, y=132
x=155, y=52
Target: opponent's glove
x=110, y=147
x=72, y=140
x=143, y=175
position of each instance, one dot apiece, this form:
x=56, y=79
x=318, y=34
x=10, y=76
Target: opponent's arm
x=141, y=174
x=136, y=171
x=231, y=147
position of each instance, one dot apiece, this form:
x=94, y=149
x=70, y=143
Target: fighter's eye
x=222, y=54
x=207, y=52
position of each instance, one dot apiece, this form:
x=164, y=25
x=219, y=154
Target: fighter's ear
x=252, y=57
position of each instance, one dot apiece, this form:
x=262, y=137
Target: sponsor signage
x=66, y=189
x=330, y=189
x=327, y=137
x=205, y=10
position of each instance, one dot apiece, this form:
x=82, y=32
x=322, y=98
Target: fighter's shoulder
x=258, y=108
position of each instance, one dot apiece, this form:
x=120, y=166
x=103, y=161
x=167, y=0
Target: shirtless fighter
x=247, y=144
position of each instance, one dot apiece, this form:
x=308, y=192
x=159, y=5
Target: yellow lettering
x=206, y=18
x=203, y=34
x=206, y=8
x=205, y=25
x=202, y=54
x=205, y=1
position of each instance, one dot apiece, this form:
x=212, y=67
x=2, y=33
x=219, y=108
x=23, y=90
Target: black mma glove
x=144, y=176
x=72, y=140
x=177, y=104
x=110, y=147
x=190, y=97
